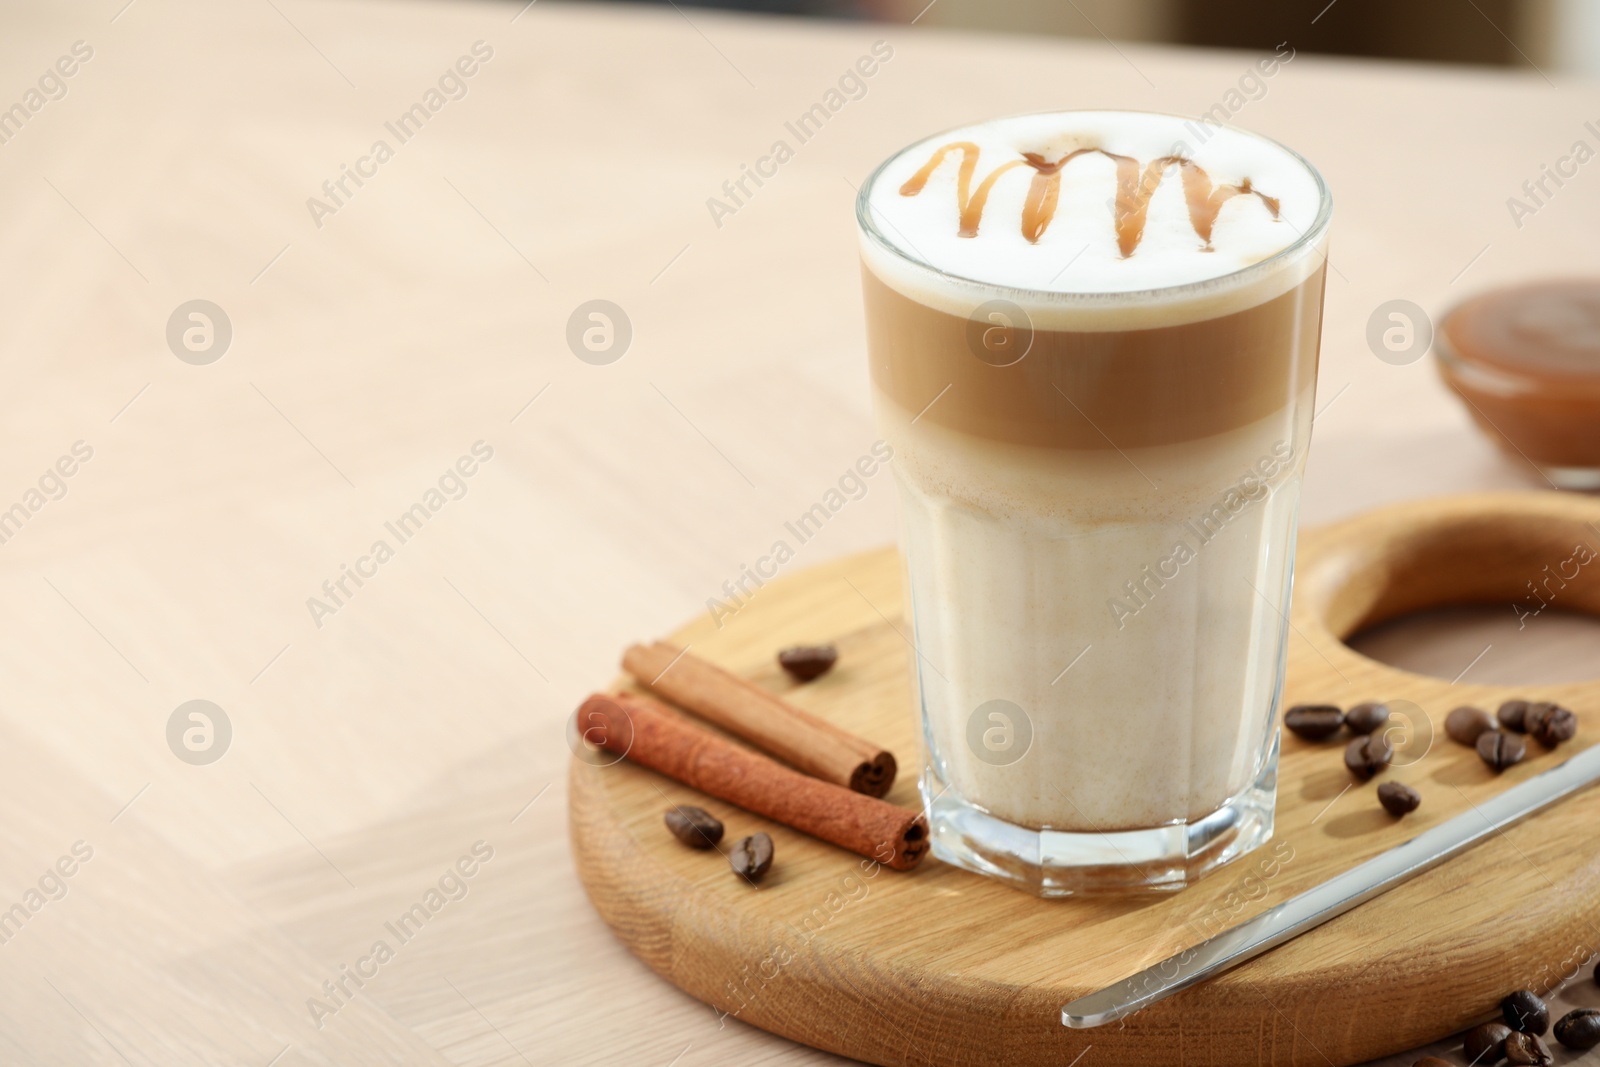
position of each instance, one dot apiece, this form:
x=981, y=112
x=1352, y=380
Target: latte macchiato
x=1094, y=350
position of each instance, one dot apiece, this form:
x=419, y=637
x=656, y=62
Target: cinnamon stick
x=654, y=736
x=772, y=724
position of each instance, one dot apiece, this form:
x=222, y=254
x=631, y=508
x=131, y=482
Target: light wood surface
x=370, y=354
x=944, y=967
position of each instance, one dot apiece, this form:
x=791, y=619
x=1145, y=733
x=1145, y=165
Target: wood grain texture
x=943, y=967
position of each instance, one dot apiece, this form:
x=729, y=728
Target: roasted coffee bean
x=1528, y=1049
x=1314, y=722
x=1524, y=1011
x=751, y=856
x=1579, y=1029
x=1366, y=756
x=1500, y=749
x=1511, y=713
x=805, y=662
x=1398, y=798
x=1365, y=718
x=1534, y=714
x=1486, y=1044
x=1466, y=724
x=1551, y=724
x=695, y=827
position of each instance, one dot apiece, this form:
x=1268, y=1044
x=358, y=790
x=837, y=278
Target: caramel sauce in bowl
x=1526, y=360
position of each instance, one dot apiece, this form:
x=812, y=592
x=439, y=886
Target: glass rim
x=1261, y=268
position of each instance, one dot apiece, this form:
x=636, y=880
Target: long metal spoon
x=1335, y=896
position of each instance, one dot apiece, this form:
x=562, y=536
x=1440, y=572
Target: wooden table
x=378, y=739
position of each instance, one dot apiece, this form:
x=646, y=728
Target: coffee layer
x=1095, y=389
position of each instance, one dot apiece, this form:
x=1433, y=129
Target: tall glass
x=1098, y=499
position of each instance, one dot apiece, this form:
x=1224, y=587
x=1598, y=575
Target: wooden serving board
x=940, y=966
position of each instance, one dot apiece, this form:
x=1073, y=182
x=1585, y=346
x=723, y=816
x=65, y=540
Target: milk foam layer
x=1264, y=199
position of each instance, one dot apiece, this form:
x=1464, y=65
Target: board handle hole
x=1428, y=596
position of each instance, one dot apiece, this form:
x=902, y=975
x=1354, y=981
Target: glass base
x=1060, y=863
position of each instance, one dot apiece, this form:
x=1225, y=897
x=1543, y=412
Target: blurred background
x=1553, y=35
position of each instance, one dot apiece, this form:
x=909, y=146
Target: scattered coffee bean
x=1579, y=1029
x=751, y=856
x=1511, y=713
x=1528, y=1049
x=805, y=662
x=695, y=827
x=1366, y=756
x=1466, y=724
x=1314, y=722
x=1398, y=798
x=1550, y=724
x=1524, y=1011
x=1534, y=714
x=1486, y=1044
x=1500, y=749
x=1365, y=718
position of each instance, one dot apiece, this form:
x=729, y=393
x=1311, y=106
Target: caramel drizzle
x=1136, y=185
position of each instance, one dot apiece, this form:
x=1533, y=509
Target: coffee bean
x=1398, y=798
x=1486, y=1044
x=1528, y=1049
x=1551, y=724
x=1579, y=1029
x=1314, y=722
x=1534, y=714
x=1524, y=1011
x=1500, y=749
x=1366, y=756
x=695, y=827
x=751, y=856
x=1466, y=724
x=1365, y=718
x=805, y=662
x=1511, y=713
